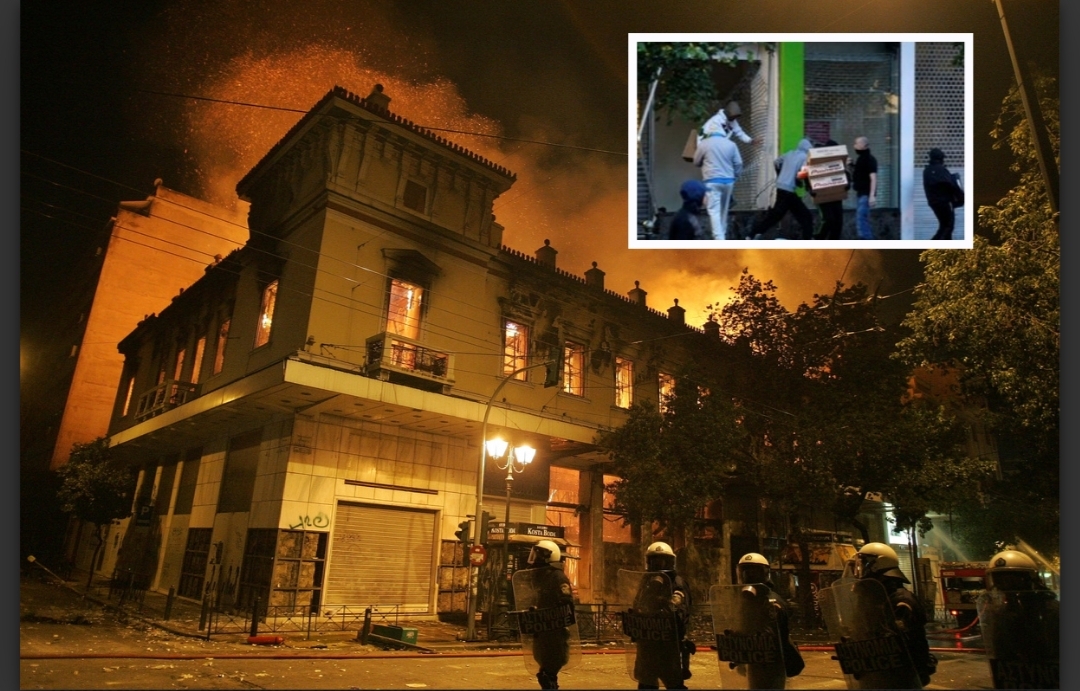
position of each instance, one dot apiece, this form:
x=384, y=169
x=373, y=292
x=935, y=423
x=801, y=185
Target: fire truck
x=961, y=585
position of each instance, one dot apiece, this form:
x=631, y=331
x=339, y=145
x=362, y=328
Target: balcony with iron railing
x=165, y=396
x=390, y=356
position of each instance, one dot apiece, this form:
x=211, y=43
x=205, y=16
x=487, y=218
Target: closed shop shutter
x=381, y=556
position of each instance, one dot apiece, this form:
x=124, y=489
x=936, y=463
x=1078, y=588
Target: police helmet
x=1012, y=570
x=545, y=552
x=877, y=559
x=659, y=557
x=752, y=568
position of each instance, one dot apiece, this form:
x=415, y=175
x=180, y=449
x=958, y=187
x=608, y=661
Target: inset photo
x=813, y=140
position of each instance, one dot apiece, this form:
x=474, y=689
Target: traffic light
x=553, y=369
x=483, y=535
x=462, y=532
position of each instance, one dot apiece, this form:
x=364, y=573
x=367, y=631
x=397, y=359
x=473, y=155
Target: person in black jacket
x=832, y=213
x=943, y=193
x=551, y=649
x=753, y=569
x=660, y=558
x=878, y=561
x=686, y=225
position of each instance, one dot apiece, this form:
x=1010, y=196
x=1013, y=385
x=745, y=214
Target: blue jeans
x=862, y=217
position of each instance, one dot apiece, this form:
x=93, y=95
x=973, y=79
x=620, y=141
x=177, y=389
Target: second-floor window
x=266, y=314
x=127, y=396
x=403, y=315
x=667, y=390
x=222, y=341
x=178, y=371
x=196, y=364
x=515, y=348
x=624, y=382
x=574, y=369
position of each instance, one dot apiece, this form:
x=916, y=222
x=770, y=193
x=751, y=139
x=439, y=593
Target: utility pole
x=1043, y=150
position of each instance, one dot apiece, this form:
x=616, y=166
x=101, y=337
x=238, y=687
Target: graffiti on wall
x=319, y=520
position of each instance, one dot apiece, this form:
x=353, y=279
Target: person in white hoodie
x=720, y=163
x=726, y=121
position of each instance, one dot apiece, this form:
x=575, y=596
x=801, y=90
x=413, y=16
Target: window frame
x=519, y=357
x=411, y=324
x=624, y=385
x=267, y=305
x=222, y=342
x=573, y=369
x=665, y=384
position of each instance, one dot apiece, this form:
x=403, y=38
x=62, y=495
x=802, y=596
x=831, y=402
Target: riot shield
x=649, y=630
x=748, y=645
x=1020, y=634
x=549, y=631
x=869, y=647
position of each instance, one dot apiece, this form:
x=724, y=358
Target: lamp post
x=474, y=576
x=516, y=460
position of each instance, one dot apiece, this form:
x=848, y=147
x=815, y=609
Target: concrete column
x=166, y=523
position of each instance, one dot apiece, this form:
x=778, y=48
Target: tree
x=95, y=488
x=683, y=72
x=837, y=425
x=671, y=464
x=992, y=314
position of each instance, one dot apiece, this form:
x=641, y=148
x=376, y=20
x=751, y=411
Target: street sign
x=477, y=555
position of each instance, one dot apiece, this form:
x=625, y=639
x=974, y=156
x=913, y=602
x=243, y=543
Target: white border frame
x=969, y=181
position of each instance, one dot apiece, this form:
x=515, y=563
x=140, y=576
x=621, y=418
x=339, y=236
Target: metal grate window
x=939, y=123
x=852, y=91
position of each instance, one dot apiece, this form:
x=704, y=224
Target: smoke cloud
x=289, y=55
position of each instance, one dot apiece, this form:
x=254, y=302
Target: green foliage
x=685, y=78
x=94, y=487
x=837, y=425
x=674, y=463
x=992, y=314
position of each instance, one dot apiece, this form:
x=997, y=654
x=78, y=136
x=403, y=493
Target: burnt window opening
x=415, y=197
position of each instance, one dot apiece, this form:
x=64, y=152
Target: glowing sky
x=290, y=55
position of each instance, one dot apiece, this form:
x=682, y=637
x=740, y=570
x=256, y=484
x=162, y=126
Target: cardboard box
x=829, y=188
x=824, y=154
x=827, y=168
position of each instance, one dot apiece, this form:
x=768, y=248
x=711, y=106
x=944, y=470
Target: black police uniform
x=681, y=606
x=911, y=617
x=551, y=649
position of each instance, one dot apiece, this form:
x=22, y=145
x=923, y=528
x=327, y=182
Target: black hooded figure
x=686, y=225
x=832, y=213
x=943, y=193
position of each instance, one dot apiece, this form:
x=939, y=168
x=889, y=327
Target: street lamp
x=474, y=576
x=516, y=460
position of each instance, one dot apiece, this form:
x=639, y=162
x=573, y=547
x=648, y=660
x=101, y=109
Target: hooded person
x=787, y=172
x=685, y=225
x=832, y=213
x=721, y=164
x=726, y=123
x=943, y=193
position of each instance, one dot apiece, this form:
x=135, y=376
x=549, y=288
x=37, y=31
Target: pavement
x=47, y=598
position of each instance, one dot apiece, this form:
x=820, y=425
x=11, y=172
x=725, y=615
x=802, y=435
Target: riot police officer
x=1020, y=620
x=878, y=561
x=551, y=649
x=1012, y=570
x=752, y=570
x=659, y=558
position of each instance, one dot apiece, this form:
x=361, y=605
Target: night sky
x=96, y=127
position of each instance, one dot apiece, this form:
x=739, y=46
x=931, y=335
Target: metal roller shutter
x=381, y=556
